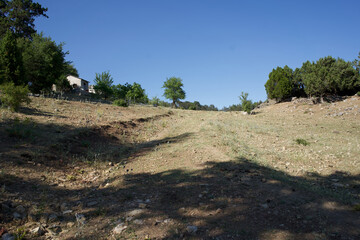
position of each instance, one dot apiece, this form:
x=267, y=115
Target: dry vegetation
x=74, y=170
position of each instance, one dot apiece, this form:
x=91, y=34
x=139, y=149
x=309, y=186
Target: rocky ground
x=74, y=170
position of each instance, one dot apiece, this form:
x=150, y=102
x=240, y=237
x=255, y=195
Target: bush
x=279, y=85
x=301, y=141
x=358, y=93
x=120, y=103
x=12, y=96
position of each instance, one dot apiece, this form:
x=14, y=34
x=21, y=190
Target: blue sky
x=218, y=47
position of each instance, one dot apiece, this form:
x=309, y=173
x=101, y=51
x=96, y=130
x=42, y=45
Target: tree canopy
x=103, y=84
x=173, y=90
x=18, y=16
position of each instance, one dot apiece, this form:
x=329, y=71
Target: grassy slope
x=223, y=172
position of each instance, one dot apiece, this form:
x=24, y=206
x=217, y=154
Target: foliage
x=330, y=76
x=11, y=63
x=120, y=91
x=12, y=96
x=196, y=106
x=120, y=103
x=103, y=84
x=18, y=16
x=246, y=104
x=173, y=90
x=155, y=101
x=44, y=62
x=280, y=83
x=137, y=94
x=301, y=141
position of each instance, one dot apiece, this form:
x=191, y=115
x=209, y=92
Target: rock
x=8, y=236
x=138, y=221
x=80, y=218
x=338, y=185
x=265, y=205
x=168, y=220
x=39, y=231
x=142, y=205
x=119, y=228
x=92, y=203
x=191, y=229
x=17, y=215
x=67, y=212
x=64, y=207
x=135, y=212
x=20, y=209
x=52, y=217
x=70, y=224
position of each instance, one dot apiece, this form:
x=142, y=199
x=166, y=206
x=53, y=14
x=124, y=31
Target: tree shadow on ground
x=225, y=200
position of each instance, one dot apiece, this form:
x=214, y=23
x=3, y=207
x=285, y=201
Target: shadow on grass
x=229, y=200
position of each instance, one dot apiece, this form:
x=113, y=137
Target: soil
x=71, y=170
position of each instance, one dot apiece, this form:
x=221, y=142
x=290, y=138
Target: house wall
x=81, y=83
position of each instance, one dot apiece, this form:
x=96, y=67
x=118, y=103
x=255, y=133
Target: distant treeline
x=326, y=76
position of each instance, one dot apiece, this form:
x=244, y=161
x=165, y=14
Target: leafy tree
x=173, y=90
x=12, y=96
x=11, y=63
x=19, y=16
x=137, y=94
x=246, y=105
x=44, y=62
x=103, y=84
x=120, y=91
x=329, y=76
x=280, y=83
x=155, y=101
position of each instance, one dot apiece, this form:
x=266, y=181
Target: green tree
x=12, y=96
x=103, y=84
x=44, y=62
x=246, y=105
x=11, y=63
x=280, y=83
x=173, y=90
x=120, y=91
x=137, y=94
x=19, y=16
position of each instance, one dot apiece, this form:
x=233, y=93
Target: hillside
x=73, y=170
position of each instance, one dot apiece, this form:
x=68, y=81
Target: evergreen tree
x=11, y=63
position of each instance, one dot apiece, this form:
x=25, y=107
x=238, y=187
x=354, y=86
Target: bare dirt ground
x=72, y=170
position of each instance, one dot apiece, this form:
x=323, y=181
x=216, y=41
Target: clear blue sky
x=218, y=47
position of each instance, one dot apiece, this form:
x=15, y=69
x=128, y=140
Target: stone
x=17, y=215
x=80, y=218
x=92, y=203
x=70, y=224
x=191, y=229
x=138, y=221
x=20, y=209
x=8, y=236
x=265, y=205
x=119, y=228
x=338, y=185
x=67, y=212
x=135, y=212
x=39, y=231
x=52, y=217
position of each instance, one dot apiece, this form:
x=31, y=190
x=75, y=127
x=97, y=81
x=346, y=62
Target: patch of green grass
x=21, y=129
x=301, y=141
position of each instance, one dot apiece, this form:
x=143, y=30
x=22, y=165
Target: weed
x=20, y=233
x=301, y=141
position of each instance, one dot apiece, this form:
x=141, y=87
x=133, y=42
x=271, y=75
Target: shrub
x=301, y=141
x=280, y=86
x=12, y=96
x=120, y=103
x=358, y=93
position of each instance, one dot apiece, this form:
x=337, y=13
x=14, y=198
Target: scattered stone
x=338, y=185
x=142, y=205
x=52, y=217
x=67, y=212
x=119, y=228
x=135, y=212
x=70, y=224
x=20, y=209
x=138, y=221
x=39, y=231
x=92, y=203
x=80, y=218
x=8, y=236
x=265, y=205
x=191, y=229
x=17, y=215
x=168, y=220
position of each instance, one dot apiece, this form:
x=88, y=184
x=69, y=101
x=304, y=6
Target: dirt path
x=173, y=174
